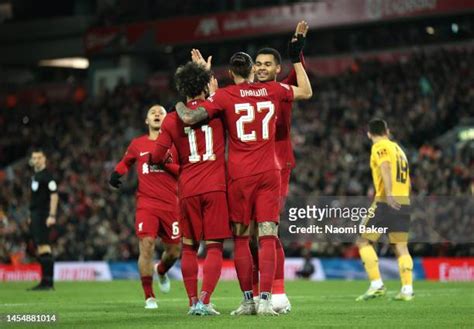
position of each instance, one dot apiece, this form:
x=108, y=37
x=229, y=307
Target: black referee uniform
x=43, y=186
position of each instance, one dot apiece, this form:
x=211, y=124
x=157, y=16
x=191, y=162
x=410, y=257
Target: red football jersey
x=201, y=153
x=250, y=111
x=157, y=188
x=284, y=148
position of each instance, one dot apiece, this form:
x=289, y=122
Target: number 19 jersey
x=250, y=111
x=201, y=153
x=386, y=150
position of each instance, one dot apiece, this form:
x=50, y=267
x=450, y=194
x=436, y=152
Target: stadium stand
x=84, y=138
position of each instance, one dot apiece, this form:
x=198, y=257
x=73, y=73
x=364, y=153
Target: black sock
x=47, y=269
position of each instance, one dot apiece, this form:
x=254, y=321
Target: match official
x=43, y=211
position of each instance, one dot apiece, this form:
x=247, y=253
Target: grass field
x=119, y=304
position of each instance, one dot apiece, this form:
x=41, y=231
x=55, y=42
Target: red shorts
x=205, y=217
x=255, y=197
x=152, y=222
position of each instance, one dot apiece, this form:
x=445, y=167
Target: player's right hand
x=114, y=180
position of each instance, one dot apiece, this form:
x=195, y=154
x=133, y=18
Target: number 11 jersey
x=249, y=111
x=201, y=153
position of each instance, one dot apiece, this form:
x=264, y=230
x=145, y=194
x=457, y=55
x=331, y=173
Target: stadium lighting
x=72, y=62
x=430, y=30
x=454, y=28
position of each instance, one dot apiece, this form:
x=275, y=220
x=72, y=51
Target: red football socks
x=189, y=269
x=279, y=281
x=243, y=262
x=147, y=284
x=266, y=263
x=211, y=271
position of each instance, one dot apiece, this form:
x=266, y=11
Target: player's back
x=201, y=153
x=250, y=111
x=387, y=150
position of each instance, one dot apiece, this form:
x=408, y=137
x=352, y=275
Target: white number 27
x=250, y=117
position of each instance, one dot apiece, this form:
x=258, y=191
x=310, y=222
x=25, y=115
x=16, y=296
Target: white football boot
x=281, y=304
x=247, y=307
x=265, y=307
x=151, y=304
x=163, y=281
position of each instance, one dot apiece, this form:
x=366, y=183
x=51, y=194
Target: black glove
x=295, y=47
x=115, y=179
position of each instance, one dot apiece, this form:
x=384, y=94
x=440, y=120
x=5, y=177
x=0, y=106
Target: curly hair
x=192, y=79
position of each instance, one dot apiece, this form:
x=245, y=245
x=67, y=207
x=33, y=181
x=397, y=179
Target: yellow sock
x=405, y=266
x=371, y=262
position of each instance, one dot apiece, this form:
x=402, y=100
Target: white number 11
x=193, y=149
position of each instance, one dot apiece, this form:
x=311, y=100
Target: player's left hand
x=114, y=180
x=301, y=29
x=296, y=45
x=50, y=221
x=197, y=57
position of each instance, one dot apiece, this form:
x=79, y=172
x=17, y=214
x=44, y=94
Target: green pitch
x=119, y=304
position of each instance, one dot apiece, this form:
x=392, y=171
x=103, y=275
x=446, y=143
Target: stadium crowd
x=85, y=140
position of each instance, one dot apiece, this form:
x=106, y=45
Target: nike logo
x=143, y=153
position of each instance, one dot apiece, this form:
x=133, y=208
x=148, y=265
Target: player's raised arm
x=296, y=45
x=213, y=85
x=197, y=58
x=301, y=28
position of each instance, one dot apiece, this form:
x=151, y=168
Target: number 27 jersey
x=249, y=111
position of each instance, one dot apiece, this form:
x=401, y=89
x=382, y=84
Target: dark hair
x=270, y=51
x=378, y=127
x=241, y=64
x=191, y=79
x=37, y=150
